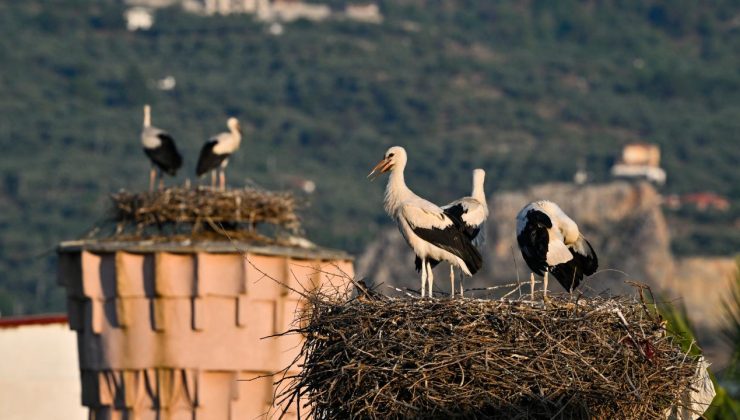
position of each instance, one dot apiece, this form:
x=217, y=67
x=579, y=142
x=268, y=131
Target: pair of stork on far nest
x=549, y=240
x=160, y=147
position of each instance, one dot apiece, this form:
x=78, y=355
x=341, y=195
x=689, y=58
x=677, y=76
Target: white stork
x=160, y=147
x=433, y=233
x=214, y=156
x=473, y=211
x=550, y=242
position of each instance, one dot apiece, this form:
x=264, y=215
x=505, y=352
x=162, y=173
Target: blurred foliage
x=526, y=90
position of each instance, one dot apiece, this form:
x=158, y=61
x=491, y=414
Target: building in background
x=139, y=18
x=140, y=14
x=640, y=161
x=39, y=373
x=365, y=12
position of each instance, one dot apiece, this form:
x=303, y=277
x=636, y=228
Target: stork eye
x=390, y=155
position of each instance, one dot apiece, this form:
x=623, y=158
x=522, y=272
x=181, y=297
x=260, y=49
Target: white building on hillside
x=138, y=18
x=640, y=161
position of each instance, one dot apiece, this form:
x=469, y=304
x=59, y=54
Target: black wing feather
x=570, y=274
x=589, y=262
x=533, y=240
x=166, y=156
x=208, y=160
x=458, y=211
x=453, y=240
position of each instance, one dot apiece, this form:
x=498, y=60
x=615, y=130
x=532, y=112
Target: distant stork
x=550, y=242
x=214, y=156
x=434, y=234
x=161, y=149
x=473, y=211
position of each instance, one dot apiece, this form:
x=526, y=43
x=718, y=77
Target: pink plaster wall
x=178, y=333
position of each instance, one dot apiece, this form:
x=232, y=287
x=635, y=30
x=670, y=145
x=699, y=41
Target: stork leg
x=423, y=276
x=222, y=179
x=152, y=177
x=161, y=182
x=531, y=286
x=430, y=279
x=462, y=277
x=452, y=281
x=213, y=178
x=544, y=289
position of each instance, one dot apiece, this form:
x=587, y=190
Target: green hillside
x=526, y=90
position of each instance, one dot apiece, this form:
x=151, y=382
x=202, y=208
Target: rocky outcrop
x=623, y=221
x=703, y=285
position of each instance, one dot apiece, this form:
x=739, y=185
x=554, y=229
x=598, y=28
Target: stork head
x=395, y=157
x=233, y=125
x=479, y=175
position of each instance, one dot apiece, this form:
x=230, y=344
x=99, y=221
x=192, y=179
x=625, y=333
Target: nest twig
x=204, y=209
x=383, y=357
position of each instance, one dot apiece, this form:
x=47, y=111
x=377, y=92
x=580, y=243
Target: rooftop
x=191, y=246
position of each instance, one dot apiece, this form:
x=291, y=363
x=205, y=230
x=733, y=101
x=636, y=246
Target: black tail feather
x=569, y=274
x=584, y=263
x=471, y=257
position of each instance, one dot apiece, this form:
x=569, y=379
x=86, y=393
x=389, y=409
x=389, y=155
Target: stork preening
x=433, y=233
x=473, y=211
x=214, y=156
x=160, y=147
x=551, y=243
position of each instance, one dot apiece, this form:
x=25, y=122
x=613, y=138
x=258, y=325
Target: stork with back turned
x=551, y=242
x=432, y=233
x=473, y=211
x=214, y=156
x=160, y=147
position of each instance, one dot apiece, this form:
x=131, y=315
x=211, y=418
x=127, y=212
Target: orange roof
x=43, y=319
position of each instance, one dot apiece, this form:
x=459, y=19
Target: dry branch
x=382, y=357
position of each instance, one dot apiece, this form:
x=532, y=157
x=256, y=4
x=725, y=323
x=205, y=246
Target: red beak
x=382, y=166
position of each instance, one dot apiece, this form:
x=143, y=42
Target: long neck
x=147, y=116
x=396, y=192
x=236, y=135
x=478, y=192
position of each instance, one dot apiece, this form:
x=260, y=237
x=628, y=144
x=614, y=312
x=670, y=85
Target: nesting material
x=382, y=357
x=204, y=209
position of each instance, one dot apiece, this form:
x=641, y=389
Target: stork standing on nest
x=473, y=211
x=551, y=242
x=160, y=147
x=214, y=156
x=433, y=233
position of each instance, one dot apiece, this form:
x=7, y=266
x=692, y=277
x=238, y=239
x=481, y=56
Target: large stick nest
x=203, y=210
x=385, y=357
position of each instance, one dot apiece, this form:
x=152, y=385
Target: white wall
x=39, y=378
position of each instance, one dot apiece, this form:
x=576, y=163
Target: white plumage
x=473, y=211
x=214, y=156
x=551, y=242
x=432, y=233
